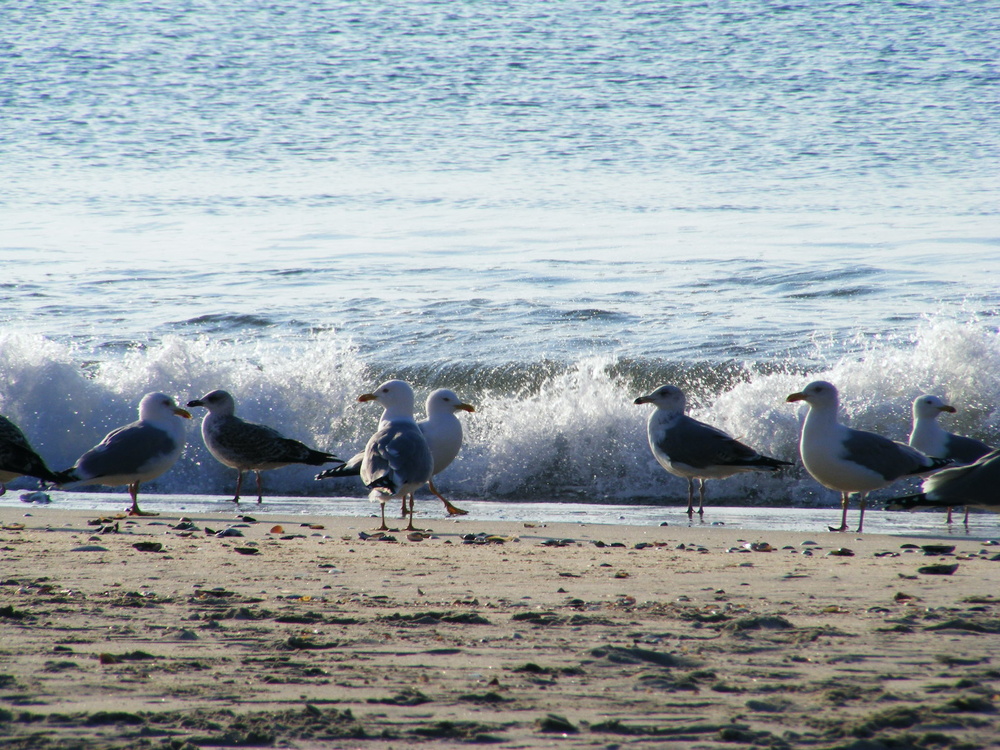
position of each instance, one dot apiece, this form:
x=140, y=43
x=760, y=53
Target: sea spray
x=550, y=430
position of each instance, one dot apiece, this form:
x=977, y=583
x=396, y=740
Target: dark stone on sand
x=623, y=655
x=938, y=549
x=938, y=570
x=556, y=723
x=408, y=697
x=492, y=697
x=764, y=622
x=100, y=718
x=10, y=613
x=987, y=626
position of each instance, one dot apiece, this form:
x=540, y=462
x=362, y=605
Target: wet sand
x=302, y=633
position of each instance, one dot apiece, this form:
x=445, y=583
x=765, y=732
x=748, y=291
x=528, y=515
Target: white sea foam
x=567, y=433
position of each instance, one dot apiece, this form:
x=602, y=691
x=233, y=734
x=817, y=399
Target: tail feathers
x=766, y=462
x=66, y=476
x=382, y=489
x=35, y=469
x=344, y=470
x=909, y=502
x=318, y=458
x=935, y=465
x=22, y=460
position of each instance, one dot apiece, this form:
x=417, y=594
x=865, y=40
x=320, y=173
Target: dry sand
x=526, y=636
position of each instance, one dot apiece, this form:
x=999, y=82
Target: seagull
x=17, y=458
x=397, y=460
x=694, y=450
x=137, y=452
x=930, y=438
x=973, y=484
x=851, y=461
x=443, y=433
x=246, y=446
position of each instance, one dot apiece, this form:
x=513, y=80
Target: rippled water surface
x=548, y=207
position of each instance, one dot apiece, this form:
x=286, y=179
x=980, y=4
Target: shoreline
x=583, y=635
x=983, y=525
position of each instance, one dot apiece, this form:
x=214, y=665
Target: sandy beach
x=216, y=630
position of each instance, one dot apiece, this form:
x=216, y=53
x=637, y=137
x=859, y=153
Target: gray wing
x=976, y=484
x=396, y=455
x=259, y=444
x=127, y=450
x=700, y=445
x=964, y=449
x=885, y=457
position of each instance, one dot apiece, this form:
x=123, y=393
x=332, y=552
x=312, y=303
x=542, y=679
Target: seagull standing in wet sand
x=18, y=458
x=135, y=453
x=928, y=437
x=246, y=446
x=975, y=484
x=694, y=450
x=851, y=461
x=397, y=460
x=443, y=432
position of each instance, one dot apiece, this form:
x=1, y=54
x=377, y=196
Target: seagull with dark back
x=848, y=460
x=693, y=450
x=246, y=446
x=931, y=439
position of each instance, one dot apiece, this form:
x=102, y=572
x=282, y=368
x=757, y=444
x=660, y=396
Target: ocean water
x=550, y=208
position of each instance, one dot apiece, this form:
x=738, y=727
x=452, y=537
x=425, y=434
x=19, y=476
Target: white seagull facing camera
x=851, y=461
x=246, y=446
x=442, y=430
x=138, y=452
x=693, y=450
x=975, y=484
x=397, y=460
x=18, y=458
x=928, y=437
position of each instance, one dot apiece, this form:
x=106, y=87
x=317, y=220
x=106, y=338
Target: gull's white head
x=443, y=401
x=666, y=397
x=393, y=395
x=818, y=394
x=157, y=407
x=217, y=402
x=930, y=407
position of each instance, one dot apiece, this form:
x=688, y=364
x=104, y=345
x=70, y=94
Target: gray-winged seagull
x=135, y=453
x=848, y=460
x=246, y=446
x=928, y=437
x=694, y=450
x=974, y=484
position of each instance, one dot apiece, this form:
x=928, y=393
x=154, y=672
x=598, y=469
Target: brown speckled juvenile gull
x=246, y=446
